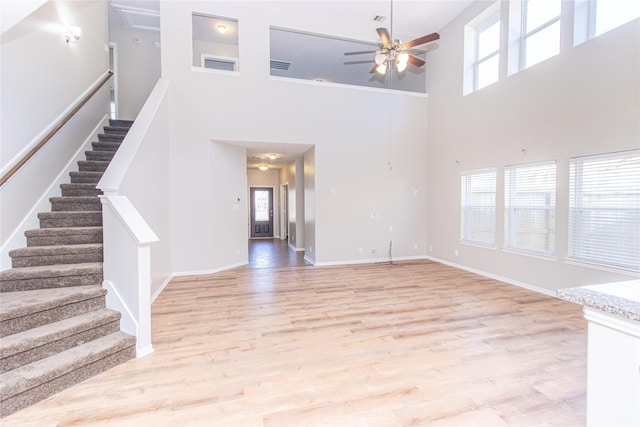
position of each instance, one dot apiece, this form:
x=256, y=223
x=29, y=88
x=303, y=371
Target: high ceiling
x=349, y=20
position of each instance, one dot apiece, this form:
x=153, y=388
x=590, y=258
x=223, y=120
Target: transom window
x=541, y=35
x=482, y=50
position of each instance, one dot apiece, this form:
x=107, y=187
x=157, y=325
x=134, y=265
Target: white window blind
x=530, y=207
x=478, y=206
x=604, y=210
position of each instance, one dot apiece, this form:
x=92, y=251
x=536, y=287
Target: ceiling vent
x=277, y=64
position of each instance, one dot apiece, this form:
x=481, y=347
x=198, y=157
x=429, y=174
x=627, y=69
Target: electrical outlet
x=415, y=246
x=430, y=248
x=455, y=252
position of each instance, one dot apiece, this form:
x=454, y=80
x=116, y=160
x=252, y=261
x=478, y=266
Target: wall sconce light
x=73, y=34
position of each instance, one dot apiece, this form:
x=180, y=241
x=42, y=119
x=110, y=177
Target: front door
x=261, y=212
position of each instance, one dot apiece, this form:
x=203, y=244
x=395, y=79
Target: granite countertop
x=619, y=298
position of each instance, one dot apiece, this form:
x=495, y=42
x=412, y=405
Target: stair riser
x=34, y=320
x=92, y=166
x=115, y=129
x=85, y=177
x=110, y=137
x=33, y=261
x=74, y=206
x=92, y=221
x=62, y=239
x=14, y=403
x=76, y=192
x=80, y=192
x=105, y=146
x=13, y=285
x=51, y=348
x=104, y=156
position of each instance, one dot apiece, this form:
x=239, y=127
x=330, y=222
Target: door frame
x=274, y=206
x=284, y=211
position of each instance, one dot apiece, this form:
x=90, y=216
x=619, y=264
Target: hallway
x=269, y=253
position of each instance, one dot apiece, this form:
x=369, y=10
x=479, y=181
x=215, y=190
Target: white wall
x=36, y=60
x=137, y=67
x=35, y=97
x=583, y=101
x=356, y=133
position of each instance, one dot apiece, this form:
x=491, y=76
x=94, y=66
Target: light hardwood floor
x=414, y=343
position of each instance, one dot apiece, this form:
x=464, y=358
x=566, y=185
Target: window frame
x=577, y=253
x=466, y=207
x=510, y=229
x=525, y=35
x=484, y=25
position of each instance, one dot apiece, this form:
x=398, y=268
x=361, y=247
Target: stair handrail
x=56, y=128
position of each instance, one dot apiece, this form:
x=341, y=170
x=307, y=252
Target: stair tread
x=36, y=337
x=92, y=173
x=22, y=303
x=54, y=214
x=49, y=271
x=62, y=231
x=57, y=249
x=73, y=199
x=78, y=185
x=44, y=370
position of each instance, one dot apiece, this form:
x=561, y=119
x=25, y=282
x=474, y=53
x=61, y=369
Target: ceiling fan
x=393, y=52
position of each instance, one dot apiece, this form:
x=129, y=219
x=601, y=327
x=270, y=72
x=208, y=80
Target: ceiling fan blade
x=373, y=70
x=358, y=62
x=360, y=52
x=384, y=36
x=416, y=61
x=420, y=40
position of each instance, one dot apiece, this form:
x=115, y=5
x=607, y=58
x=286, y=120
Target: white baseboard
x=192, y=273
x=518, y=283
x=144, y=351
x=369, y=261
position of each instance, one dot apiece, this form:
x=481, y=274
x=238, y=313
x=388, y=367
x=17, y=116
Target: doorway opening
x=261, y=212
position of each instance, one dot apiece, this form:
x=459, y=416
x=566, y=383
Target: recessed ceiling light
x=223, y=29
x=263, y=167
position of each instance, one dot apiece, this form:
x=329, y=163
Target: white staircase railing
x=136, y=222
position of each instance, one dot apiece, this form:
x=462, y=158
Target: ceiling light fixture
x=263, y=167
x=223, y=29
x=72, y=35
x=273, y=156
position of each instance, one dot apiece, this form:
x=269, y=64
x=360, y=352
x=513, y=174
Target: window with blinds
x=530, y=207
x=604, y=210
x=478, y=206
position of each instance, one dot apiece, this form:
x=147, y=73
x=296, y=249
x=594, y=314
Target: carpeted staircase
x=54, y=328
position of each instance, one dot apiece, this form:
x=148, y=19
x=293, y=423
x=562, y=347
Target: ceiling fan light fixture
x=403, y=58
x=380, y=58
x=382, y=68
x=401, y=66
